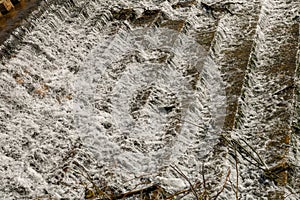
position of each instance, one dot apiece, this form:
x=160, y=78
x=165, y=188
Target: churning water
x=130, y=94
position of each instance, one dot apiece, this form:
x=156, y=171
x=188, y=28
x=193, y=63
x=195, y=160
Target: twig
x=183, y=191
x=237, y=175
x=87, y=176
x=227, y=177
x=189, y=122
x=187, y=179
x=293, y=193
x=232, y=186
x=242, y=150
x=261, y=161
x=146, y=190
x=204, y=194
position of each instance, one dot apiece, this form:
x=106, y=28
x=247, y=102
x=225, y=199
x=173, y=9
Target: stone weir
x=7, y=5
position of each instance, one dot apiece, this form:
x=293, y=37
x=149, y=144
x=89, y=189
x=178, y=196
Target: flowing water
x=130, y=94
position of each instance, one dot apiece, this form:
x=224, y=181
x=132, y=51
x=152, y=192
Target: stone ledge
x=6, y=6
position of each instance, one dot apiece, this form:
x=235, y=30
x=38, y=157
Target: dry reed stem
x=198, y=184
x=237, y=175
x=187, y=179
x=204, y=193
x=227, y=178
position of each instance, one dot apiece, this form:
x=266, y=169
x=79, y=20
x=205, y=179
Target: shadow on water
x=13, y=19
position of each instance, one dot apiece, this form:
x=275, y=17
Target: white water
x=151, y=105
x=117, y=100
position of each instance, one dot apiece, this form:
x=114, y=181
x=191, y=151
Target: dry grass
x=197, y=190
